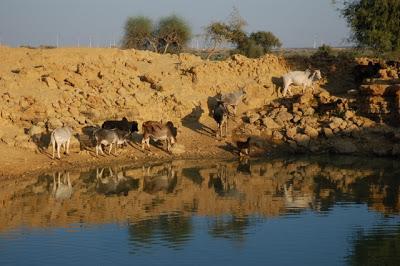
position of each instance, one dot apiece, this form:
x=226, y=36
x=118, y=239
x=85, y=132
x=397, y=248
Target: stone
x=292, y=144
x=253, y=117
x=54, y=123
x=73, y=111
x=270, y=123
x=311, y=132
x=344, y=146
x=382, y=150
x=291, y=132
x=177, y=148
x=392, y=74
x=80, y=119
x=284, y=116
x=328, y=132
x=262, y=113
x=306, y=98
x=50, y=82
x=383, y=74
x=396, y=150
x=302, y=140
x=296, y=118
x=309, y=111
x=277, y=135
x=343, y=125
x=374, y=89
x=35, y=130
x=336, y=122
x=349, y=114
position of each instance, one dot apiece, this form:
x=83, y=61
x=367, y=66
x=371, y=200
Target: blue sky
x=296, y=22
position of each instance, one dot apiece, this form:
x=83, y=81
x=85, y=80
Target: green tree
x=374, y=24
x=254, y=45
x=139, y=34
x=266, y=39
x=173, y=33
x=216, y=34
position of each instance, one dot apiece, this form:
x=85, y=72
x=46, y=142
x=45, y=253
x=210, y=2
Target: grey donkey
x=61, y=137
x=109, y=137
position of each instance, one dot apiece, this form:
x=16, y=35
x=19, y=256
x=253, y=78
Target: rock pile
x=321, y=123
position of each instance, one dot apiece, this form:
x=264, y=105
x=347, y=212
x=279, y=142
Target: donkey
x=109, y=137
x=220, y=115
x=159, y=131
x=61, y=137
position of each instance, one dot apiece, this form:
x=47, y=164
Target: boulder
x=35, y=130
x=291, y=132
x=54, y=123
x=270, y=123
x=302, y=140
x=328, y=132
x=253, y=117
x=277, y=135
x=177, y=148
x=396, y=150
x=284, y=116
x=374, y=89
x=335, y=123
x=311, y=132
x=382, y=150
x=344, y=146
x=50, y=82
x=349, y=114
x=296, y=118
x=308, y=111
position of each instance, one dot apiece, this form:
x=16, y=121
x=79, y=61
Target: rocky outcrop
x=321, y=123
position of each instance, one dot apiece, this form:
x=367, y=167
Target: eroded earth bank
x=42, y=89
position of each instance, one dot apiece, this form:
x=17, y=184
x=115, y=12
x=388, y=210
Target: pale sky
x=33, y=22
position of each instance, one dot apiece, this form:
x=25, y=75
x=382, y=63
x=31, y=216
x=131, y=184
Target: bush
x=138, y=33
x=173, y=33
x=170, y=34
x=266, y=39
x=324, y=51
x=254, y=45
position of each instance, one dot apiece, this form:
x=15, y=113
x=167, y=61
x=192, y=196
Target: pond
x=292, y=211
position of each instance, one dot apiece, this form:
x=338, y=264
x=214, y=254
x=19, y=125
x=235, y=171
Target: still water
x=302, y=211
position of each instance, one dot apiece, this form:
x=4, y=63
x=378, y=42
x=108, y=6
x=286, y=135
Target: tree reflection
x=173, y=230
x=230, y=227
x=379, y=247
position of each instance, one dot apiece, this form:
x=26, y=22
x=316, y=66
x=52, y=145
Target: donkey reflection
x=115, y=182
x=159, y=178
x=223, y=182
x=62, y=187
x=298, y=199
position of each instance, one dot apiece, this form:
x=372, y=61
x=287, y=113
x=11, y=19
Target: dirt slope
x=80, y=87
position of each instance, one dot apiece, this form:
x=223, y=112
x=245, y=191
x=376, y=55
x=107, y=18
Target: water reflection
x=379, y=246
x=230, y=227
x=159, y=203
x=114, y=182
x=62, y=187
x=172, y=230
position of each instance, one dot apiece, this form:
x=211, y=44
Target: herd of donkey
x=118, y=132
x=114, y=133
